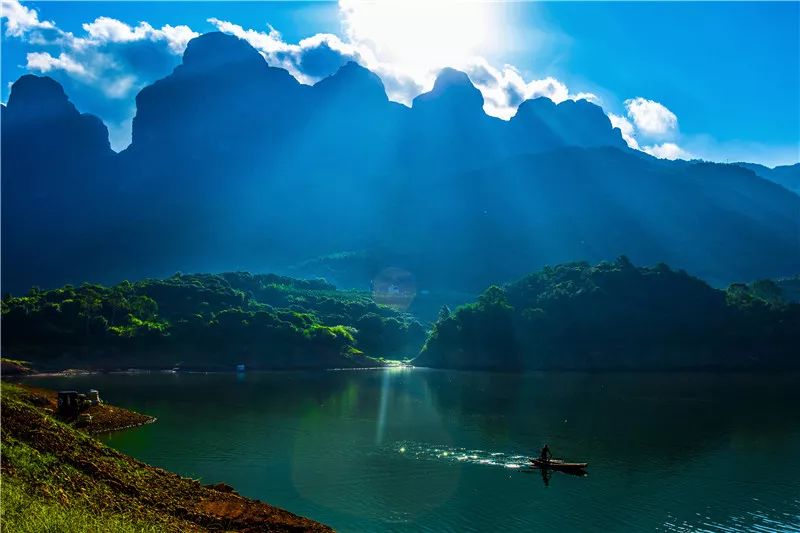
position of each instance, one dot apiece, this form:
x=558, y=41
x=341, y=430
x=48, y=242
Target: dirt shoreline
x=81, y=471
x=103, y=418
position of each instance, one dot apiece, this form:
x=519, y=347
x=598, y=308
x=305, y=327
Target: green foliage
x=762, y=294
x=36, y=495
x=22, y=511
x=481, y=333
x=261, y=320
x=615, y=315
x=493, y=298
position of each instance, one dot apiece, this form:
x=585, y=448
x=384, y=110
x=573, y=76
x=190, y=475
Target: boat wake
x=433, y=452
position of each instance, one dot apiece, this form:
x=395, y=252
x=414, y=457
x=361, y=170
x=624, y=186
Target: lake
x=424, y=450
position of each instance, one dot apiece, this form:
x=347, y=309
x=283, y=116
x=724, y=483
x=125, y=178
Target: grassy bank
x=56, y=477
x=23, y=512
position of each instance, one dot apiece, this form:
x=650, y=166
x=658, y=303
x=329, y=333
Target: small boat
x=558, y=464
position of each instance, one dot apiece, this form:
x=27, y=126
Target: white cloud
x=667, y=150
x=177, y=37
x=99, y=59
x=120, y=86
x=21, y=19
x=504, y=89
x=265, y=42
x=294, y=57
x=105, y=29
x=651, y=118
x=648, y=120
x=44, y=62
x=627, y=129
x=108, y=30
x=109, y=62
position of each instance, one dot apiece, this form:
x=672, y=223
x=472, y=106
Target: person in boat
x=545, y=454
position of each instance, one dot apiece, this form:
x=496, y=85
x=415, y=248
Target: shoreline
x=152, y=420
x=102, y=417
x=79, y=372
x=52, y=464
x=722, y=371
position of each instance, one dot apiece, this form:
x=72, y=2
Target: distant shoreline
x=78, y=372
x=72, y=373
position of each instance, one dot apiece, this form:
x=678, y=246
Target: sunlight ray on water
x=438, y=452
x=381, y=423
x=751, y=521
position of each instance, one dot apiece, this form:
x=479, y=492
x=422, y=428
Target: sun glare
x=419, y=35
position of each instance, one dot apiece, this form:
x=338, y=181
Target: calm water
x=422, y=450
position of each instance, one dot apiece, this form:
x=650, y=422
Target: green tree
x=144, y=307
x=768, y=291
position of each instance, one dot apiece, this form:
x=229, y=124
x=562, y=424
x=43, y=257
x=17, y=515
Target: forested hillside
x=206, y=321
x=617, y=316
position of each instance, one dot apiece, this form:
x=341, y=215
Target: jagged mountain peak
x=450, y=77
x=454, y=88
x=39, y=96
x=229, y=152
x=225, y=58
x=355, y=81
x=580, y=121
x=534, y=105
x=40, y=119
x=543, y=104
x=215, y=49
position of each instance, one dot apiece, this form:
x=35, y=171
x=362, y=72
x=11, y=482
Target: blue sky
x=715, y=80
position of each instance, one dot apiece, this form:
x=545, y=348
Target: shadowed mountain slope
x=786, y=175
x=236, y=165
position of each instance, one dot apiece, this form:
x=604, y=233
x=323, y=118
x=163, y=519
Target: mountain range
x=234, y=164
x=786, y=175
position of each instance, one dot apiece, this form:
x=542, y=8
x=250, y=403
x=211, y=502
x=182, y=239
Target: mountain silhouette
x=55, y=181
x=41, y=121
x=786, y=175
x=234, y=164
x=222, y=97
x=453, y=94
x=574, y=123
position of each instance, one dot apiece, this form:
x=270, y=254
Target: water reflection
x=547, y=474
x=426, y=450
